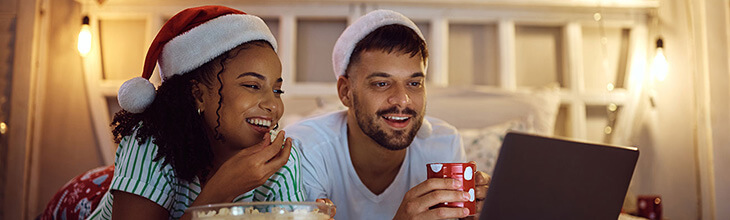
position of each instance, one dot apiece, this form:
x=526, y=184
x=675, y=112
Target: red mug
x=650, y=206
x=461, y=171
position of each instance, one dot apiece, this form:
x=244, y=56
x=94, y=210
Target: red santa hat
x=361, y=28
x=188, y=40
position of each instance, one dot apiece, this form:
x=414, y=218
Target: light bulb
x=660, y=67
x=84, y=44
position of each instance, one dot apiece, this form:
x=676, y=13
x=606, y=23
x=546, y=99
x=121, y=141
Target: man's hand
x=481, y=183
x=420, y=198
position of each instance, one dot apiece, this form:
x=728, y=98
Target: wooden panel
x=473, y=58
x=113, y=105
x=315, y=40
x=614, y=54
x=573, y=66
x=7, y=50
x=287, y=49
x=573, y=62
x=123, y=47
x=9, y=7
x=425, y=27
x=98, y=89
x=273, y=24
x=562, y=122
x=438, y=47
x=540, y=4
x=507, y=56
x=635, y=80
x=21, y=109
x=597, y=118
x=577, y=119
x=540, y=56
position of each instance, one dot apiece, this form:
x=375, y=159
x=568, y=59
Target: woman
x=205, y=136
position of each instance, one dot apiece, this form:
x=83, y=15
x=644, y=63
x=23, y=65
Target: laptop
x=551, y=178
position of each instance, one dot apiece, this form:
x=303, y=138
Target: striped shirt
x=137, y=173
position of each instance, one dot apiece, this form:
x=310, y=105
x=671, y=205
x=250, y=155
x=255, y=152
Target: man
x=370, y=160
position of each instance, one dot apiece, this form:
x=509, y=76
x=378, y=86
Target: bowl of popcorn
x=263, y=211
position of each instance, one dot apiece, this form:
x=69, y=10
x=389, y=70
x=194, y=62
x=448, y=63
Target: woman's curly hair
x=173, y=122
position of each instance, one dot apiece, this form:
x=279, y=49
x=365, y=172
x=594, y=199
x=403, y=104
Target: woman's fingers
x=266, y=150
x=282, y=156
x=285, y=147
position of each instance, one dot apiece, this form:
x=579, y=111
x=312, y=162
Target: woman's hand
x=251, y=167
x=246, y=170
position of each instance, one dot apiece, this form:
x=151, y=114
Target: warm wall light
x=84, y=44
x=660, y=67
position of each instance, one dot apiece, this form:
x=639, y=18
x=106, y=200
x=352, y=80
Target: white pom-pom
x=136, y=94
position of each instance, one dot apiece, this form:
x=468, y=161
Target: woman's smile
x=259, y=124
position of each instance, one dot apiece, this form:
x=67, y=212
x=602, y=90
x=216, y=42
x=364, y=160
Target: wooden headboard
x=514, y=46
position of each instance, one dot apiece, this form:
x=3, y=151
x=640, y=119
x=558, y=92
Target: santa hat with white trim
x=361, y=28
x=188, y=40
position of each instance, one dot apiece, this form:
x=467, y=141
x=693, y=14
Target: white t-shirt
x=327, y=170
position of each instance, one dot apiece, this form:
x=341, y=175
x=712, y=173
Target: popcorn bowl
x=263, y=211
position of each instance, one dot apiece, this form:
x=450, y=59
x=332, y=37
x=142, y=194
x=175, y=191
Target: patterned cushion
x=80, y=196
x=482, y=145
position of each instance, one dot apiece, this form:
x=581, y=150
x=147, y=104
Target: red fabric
x=80, y=196
x=179, y=24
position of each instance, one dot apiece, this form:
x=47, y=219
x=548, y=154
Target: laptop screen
x=550, y=178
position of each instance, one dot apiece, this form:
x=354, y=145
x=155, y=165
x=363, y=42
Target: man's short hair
x=390, y=38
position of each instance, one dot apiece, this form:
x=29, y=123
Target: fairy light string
x=611, y=108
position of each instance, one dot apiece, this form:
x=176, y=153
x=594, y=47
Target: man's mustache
x=394, y=110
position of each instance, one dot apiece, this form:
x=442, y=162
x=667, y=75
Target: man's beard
x=399, y=139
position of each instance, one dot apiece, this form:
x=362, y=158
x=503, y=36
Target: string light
x=611, y=108
x=84, y=40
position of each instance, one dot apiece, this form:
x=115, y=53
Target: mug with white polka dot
x=460, y=171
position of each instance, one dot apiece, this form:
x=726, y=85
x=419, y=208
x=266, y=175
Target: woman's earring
x=200, y=112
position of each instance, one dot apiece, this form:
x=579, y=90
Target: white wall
x=718, y=42
x=67, y=147
x=667, y=165
x=674, y=160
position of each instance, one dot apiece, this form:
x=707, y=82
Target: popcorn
x=250, y=213
x=273, y=133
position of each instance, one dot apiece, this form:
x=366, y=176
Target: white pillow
x=482, y=145
x=299, y=108
x=475, y=108
x=464, y=108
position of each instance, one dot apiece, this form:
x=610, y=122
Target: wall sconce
x=84, y=44
x=659, y=67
